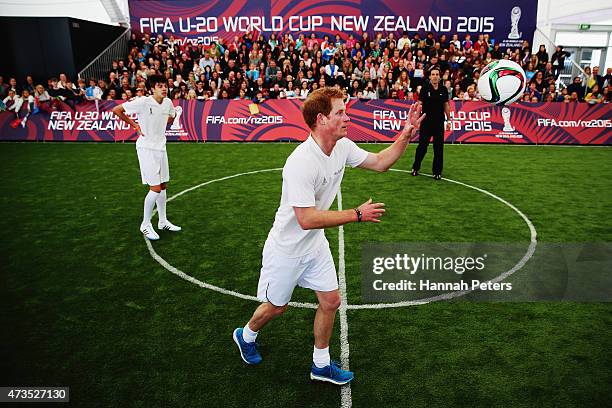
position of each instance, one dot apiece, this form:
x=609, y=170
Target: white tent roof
x=112, y=11
x=100, y=11
x=576, y=12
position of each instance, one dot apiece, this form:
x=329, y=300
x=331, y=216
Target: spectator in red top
x=467, y=43
x=395, y=59
x=350, y=43
x=480, y=45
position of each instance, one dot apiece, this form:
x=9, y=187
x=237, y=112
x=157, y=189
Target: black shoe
x=437, y=177
x=414, y=172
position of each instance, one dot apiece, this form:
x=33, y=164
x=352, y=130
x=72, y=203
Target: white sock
x=320, y=357
x=249, y=335
x=149, y=204
x=161, y=206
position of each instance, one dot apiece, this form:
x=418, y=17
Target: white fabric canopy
x=574, y=12
x=99, y=11
x=549, y=11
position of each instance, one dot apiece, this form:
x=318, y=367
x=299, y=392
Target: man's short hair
x=319, y=101
x=156, y=79
x=435, y=68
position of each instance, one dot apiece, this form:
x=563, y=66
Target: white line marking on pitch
x=205, y=285
x=346, y=400
x=445, y=296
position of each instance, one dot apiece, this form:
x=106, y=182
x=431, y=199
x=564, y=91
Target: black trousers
x=428, y=130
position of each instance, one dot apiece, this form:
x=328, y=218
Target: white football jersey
x=310, y=179
x=152, y=118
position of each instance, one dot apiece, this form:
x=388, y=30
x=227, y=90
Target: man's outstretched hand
x=414, y=119
x=371, y=212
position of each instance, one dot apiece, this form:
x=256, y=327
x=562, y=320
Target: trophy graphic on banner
x=506, y=116
x=176, y=123
x=515, y=16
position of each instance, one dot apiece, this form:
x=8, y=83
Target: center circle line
x=308, y=305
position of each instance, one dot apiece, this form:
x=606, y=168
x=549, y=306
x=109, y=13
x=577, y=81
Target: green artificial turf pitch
x=84, y=305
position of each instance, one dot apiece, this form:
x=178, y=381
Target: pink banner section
x=281, y=120
x=508, y=22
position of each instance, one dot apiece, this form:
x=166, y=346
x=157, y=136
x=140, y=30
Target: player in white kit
x=296, y=251
x=154, y=113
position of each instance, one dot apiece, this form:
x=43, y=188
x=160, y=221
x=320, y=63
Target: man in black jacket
x=434, y=98
x=558, y=59
x=577, y=87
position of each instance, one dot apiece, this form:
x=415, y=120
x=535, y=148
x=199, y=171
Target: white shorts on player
x=154, y=168
x=280, y=273
x=154, y=112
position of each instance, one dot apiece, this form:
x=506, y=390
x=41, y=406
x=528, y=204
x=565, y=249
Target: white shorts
x=280, y=274
x=153, y=166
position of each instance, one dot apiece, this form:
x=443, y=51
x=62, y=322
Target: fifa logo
x=506, y=116
x=176, y=123
x=515, y=16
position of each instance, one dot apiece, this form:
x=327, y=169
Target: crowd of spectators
x=30, y=98
x=259, y=68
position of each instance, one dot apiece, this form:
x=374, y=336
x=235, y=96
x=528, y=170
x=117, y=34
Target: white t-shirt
x=401, y=42
x=29, y=102
x=331, y=70
x=310, y=179
x=152, y=118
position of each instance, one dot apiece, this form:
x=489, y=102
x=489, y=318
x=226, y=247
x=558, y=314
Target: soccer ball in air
x=502, y=82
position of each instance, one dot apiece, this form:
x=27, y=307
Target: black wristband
x=358, y=214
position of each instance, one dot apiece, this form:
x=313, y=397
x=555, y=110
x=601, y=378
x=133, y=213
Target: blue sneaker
x=331, y=373
x=248, y=351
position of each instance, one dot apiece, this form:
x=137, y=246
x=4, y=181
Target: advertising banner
x=507, y=22
x=281, y=120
